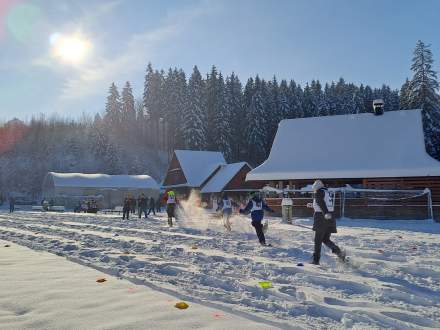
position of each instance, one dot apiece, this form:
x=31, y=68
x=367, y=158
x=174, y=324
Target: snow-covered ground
x=394, y=281
x=43, y=291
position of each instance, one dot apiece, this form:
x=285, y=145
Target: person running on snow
x=226, y=207
x=171, y=207
x=324, y=222
x=256, y=207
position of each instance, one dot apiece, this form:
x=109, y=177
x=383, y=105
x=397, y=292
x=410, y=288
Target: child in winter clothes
x=225, y=206
x=256, y=207
x=171, y=207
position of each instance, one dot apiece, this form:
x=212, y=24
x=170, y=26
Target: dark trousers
x=259, y=230
x=151, y=209
x=125, y=213
x=323, y=236
x=142, y=210
x=11, y=208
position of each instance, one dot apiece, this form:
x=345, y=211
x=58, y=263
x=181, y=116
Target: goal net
x=386, y=204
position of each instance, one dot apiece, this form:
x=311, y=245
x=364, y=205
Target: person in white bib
x=286, y=208
x=324, y=222
x=171, y=206
x=225, y=206
x=256, y=207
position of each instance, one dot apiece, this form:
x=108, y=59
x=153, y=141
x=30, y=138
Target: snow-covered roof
x=102, y=180
x=198, y=165
x=222, y=177
x=349, y=146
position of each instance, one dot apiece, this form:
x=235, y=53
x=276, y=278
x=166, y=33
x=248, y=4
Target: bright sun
x=71, y=49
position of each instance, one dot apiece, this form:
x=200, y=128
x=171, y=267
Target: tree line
x=218, y=113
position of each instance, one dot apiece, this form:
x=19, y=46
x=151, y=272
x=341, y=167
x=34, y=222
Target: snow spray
x=191, y=215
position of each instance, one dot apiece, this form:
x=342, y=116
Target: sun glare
x=71, y=49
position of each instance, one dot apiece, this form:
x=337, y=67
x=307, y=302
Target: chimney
x=378, y=107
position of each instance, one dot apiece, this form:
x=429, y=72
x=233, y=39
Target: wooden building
x=189, y=170
x=230, y=179
x=362, y=151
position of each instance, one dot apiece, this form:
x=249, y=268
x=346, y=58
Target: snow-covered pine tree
x=405, y=95
x=256, y=134
x=222, y=121
x=368, y=99
x=170, y=106
x=358, y=100
x=113, y=109
x=141, y=123
x=181, y=106
x=326, y=107
x=234, y=101
x=212, y=107
x=308, y=104
x=248, y=93
x=423, y=95
x=152, y=98
x=318, y=108
x=194, y=120
x=283, y=100
x=296, y=101
x=272, y=110
x=394, y=100
x=128, y=116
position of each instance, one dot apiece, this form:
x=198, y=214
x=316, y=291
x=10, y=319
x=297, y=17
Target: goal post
x=387, y=204
x=359, y=203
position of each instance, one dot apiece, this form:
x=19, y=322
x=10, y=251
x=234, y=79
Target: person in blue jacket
x=256, y=207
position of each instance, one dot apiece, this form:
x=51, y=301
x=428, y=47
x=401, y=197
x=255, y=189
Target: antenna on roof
x=378, y=107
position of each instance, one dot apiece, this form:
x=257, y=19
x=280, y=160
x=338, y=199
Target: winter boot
x=170, y=222
x=340, y=253
x=315, y=260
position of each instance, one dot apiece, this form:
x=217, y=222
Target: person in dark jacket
x=11, y=204
x=158, y=205
x=126, y=208
x=171, y=206
x=324, y=222
x=256, y=207
x=132, y=205
x=151, y=206
x=142, y=205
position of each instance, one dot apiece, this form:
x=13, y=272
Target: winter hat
x=317, y=185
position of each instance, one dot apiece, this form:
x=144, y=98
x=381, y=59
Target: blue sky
x=368, y=41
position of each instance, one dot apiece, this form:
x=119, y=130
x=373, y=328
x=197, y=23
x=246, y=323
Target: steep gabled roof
x=102, y=180
x=222, y=177
x=349, y=146
x=197, y=166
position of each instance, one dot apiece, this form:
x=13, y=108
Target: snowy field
x=393, y=282
x=44, y=291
